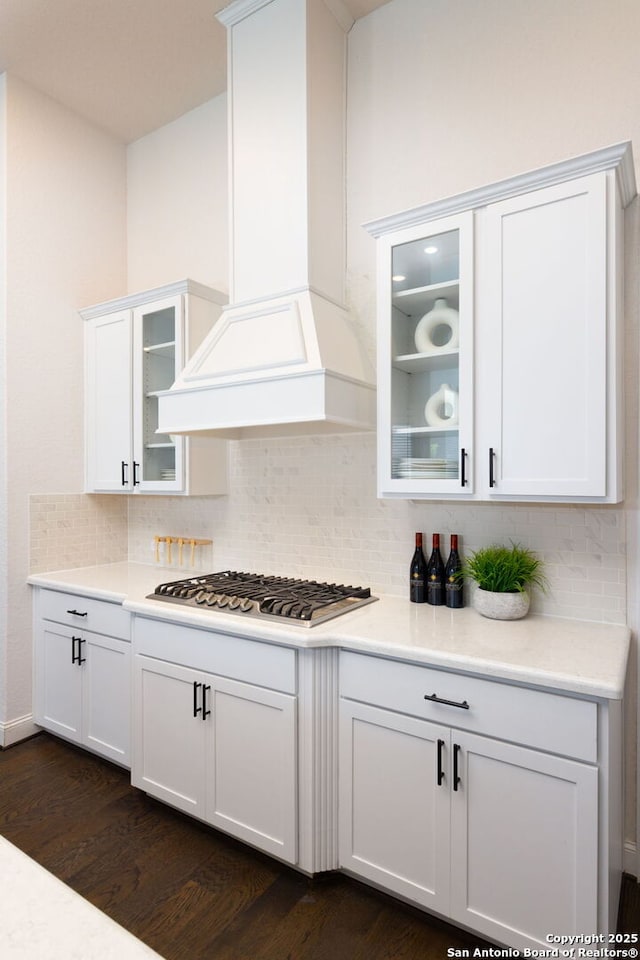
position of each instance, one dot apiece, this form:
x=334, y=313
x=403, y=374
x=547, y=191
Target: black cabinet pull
x=136, y=481
x=196, y=708
x=123, y=467
x=440, y=770
x=81, y=659
x=492, y=479
x=77, y=613
x=75, y=657
x=463, y=463
x=456, y=778
x=205, y=712
x=450, y=703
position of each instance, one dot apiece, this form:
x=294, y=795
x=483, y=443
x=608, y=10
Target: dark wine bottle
x=452, y=580
x=435, y=574
x=418, y=574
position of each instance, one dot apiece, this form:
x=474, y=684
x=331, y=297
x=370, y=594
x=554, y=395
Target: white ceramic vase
x=441, y=409
x=501, y=606
x=441, y=316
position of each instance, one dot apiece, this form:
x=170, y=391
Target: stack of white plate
x=167, y=474
x=427, y=468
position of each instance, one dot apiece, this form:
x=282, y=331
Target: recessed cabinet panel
x=253, y=770
x=169, y=749
x=544, y=352
x=393, y=811
x=524, y=843
x=59, y=700
x=108, y=401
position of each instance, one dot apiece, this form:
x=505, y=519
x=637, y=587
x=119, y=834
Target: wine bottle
x=418, y=574
x=435, y=574
x=452, y=579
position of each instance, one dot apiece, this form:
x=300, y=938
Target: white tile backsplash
x=308, y=507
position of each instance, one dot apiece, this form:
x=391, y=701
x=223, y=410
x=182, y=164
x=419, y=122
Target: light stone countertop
x=575, y=656
x=41, y=917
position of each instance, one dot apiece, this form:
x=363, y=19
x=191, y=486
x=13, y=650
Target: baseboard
x=630, y=863
x=15, y=730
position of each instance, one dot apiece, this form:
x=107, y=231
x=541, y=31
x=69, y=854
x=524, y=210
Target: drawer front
x=85, y=613
x=251, y=661
x=546, y=721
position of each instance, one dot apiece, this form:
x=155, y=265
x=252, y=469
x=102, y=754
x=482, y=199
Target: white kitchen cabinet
x=519, y=396
x=218, y=747
x=82, y=677
x=478, y=800
x=134, y=348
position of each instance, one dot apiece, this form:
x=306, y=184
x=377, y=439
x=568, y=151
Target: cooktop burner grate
x=307, y=602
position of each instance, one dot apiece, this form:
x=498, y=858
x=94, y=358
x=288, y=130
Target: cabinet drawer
x=251, y=661
x=546, y=721
x=87, y=613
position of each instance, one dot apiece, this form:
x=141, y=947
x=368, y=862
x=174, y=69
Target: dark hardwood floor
x=188, y=891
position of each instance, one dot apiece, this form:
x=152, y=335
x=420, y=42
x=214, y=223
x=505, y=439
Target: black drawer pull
x=205, y=712
x=75, y=657
x=450, y=703
x=196, y=708
x=123, y=466
x=456, y=778
x=440, y=770
x=81, y=659
x=77, y=613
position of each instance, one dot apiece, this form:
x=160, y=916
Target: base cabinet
x=503, y=838
x=219, y=749
x=82, y=678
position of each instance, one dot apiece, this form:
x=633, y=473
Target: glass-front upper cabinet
x=425, y=365
x=159, y=329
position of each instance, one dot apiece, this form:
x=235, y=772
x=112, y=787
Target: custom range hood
x=284, y=358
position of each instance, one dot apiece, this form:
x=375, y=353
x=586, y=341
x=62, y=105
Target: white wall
x=65, y=248
x=177, y=201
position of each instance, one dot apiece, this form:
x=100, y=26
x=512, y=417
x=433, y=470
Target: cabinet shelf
x=167, y=348
x=413, y=431
x=419, y=362
x=420, y=299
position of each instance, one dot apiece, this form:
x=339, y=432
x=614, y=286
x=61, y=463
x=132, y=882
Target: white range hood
x=285, y=357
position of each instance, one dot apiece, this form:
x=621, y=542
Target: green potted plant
x=504, y=576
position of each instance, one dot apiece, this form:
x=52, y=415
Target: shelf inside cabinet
x=419, y=300
x=167, y=348
x=403, y=431
x=419, y=362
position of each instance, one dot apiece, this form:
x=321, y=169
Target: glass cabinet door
x=426, y=359
x=158, y=330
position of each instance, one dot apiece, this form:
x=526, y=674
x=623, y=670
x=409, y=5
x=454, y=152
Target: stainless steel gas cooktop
x=304, y=602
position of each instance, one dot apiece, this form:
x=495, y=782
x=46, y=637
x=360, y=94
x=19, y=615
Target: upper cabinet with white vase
x=134, y=347
x=500, y=320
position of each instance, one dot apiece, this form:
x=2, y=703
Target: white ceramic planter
x=501, y=606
